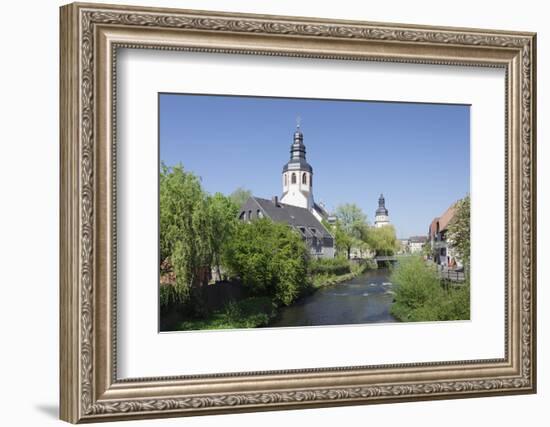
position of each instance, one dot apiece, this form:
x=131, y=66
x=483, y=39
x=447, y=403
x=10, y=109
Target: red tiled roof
x=443, y=221
x=446, y=218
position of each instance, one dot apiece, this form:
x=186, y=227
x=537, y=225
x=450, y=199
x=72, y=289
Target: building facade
x=381, y=217
x=416, y=243
x=443, y=252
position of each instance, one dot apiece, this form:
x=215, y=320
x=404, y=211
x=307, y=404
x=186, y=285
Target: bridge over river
x=386, y=258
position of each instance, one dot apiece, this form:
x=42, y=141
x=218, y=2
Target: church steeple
x=298, y=174
x=298, y=149
x=381, y=206
x=381, y=219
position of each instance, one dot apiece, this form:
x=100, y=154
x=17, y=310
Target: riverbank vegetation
x=327, y=272
x=421, y=296
x=204, y=246
x=250, y=312
x=269, y=258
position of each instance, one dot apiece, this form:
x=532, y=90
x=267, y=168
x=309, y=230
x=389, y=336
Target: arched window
x=293, y=178
x=304, y=178
x=286, y=180
x=311, y=181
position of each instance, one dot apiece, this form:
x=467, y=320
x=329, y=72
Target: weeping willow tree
x=184, y=228
x=222, y=212
x=383, y=240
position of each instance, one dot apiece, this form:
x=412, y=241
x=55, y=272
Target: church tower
x=381, y=218
x=298, y=175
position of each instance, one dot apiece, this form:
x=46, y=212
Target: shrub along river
x=365, y=299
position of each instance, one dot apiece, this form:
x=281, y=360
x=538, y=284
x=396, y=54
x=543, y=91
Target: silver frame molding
x=90, y=37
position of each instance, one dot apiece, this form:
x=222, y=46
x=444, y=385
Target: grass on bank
x=327, y=272
x=420, y=295
x=250, y=312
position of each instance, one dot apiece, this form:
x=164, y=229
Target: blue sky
x=418, y=155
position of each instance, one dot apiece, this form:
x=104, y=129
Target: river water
x=364, y=299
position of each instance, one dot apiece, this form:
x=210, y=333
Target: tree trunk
x=218, y=270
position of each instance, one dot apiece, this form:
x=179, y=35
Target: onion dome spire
x=381, y=206
x=298, y=152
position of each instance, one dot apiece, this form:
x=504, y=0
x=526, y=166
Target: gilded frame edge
x=88, y=391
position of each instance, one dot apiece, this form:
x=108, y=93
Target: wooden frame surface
x=90, y=36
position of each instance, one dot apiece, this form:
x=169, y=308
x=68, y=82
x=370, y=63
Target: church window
x=259, y=214
x=286, y=180
x=241, y=216
x=311, y=181
x=293, y=179
x=304, y=178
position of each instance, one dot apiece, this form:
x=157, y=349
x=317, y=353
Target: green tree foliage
x=343, y=241
x=351, y=229
x=382, y=240
x=420, y=295
x=194, y=227
x=270, y=258
x=222, y=212
x=459, y=230
x=184, y=227
x=239, y=196
x=351, y=219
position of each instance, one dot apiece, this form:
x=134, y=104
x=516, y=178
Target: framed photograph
x=267, y=212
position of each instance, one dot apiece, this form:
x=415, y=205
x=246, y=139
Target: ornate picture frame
x=90, y=37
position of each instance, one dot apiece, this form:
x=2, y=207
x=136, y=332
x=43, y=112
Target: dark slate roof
x=298, y=164
x=381, y=211
x=321, y=210
x=292, y=215
x=381, y=206
x=298, y=154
